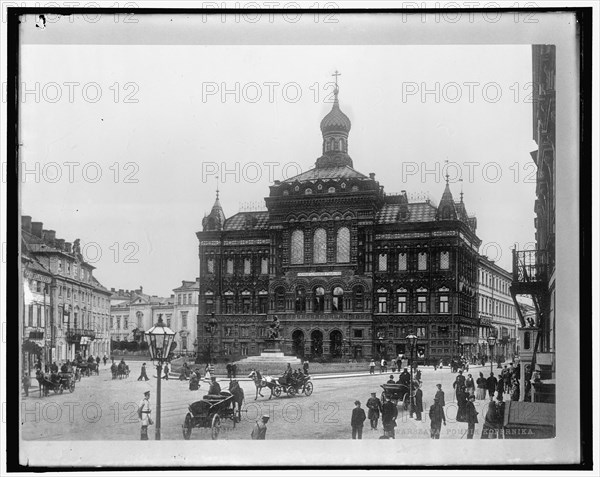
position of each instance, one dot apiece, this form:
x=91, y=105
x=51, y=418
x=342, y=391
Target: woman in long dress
x=481, y=386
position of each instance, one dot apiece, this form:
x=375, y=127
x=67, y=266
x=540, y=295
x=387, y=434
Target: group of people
x=388, y=411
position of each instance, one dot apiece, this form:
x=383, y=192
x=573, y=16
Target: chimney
x=68, y=247
x=372, y=175
x=141, y=289
x=49, y=236
x=26, y=223
x=60, y=243
x=36, y=228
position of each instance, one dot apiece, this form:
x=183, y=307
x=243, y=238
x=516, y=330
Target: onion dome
x=335, y=120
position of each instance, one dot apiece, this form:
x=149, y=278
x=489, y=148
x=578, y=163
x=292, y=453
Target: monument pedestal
x=272, y=356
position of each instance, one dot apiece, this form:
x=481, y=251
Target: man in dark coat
x=418, y=405
x=143, y=374
x=491, y=385
x=389, y=413
x=391, y=380
x=404, y=378
x=440, y=396
x=357, y=421
x=374, y=407
x=436, y=417
x=471, y=416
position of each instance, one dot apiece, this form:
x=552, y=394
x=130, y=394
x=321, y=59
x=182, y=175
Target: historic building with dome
x=348, y=269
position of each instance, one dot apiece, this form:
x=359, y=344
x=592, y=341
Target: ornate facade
x=348, y=269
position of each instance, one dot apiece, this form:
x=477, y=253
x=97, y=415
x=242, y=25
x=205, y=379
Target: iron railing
x=530, y=265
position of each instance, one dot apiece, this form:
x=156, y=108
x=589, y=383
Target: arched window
x=297, y=247
x=280, y=299
x=331, y=190
x=341, y=144
x=343, y=245
x=357, y=295
x=300, y=300
x=338, y=299
x=319, y=300
x=308, y=191
x=320, y=246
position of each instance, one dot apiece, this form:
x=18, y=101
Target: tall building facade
x=348, y=270
x=497, y=312
x=534, y=272
x=77, y=306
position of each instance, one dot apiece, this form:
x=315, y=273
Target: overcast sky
x=161, y=131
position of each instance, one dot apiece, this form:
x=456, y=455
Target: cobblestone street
x=105, y=409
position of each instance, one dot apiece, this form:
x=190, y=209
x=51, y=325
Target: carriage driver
x=214, y=389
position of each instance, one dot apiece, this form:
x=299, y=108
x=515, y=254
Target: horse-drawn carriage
x=57, y=382
x=213, y=409
x=396, y=393
x=86, y=369
x=293, y=386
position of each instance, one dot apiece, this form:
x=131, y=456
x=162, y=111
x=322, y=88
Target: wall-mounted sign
x=319, y=274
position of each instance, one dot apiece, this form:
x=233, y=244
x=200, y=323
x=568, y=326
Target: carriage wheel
x=277, y=391
x=72, y=386
x=187, y=426
x=55, y=389
x=308, y=388
x=291, y=390
x=215, y=427
x=61, y=389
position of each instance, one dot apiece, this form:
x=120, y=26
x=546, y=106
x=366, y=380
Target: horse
x=238, y=398
x=264, y=382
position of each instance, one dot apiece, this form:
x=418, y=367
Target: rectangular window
x=60, y=266
x=228, y=305
x=244, y=332
x=112, y=322
x=382, y=304
x=209, y=306
x=119, y=323
x=443, y=304
x=444, y=260
x=168, y=322
x=229, y=269
x=402, y=262
x=184, y=342
x=358, y=333
x=38, y=316
x=402, y=304
x=247, y=266
x=264, y=266
x=125, y=322
x=140, y=324
x=179, y=299
x=246, y=304
x=60, y=293
x=184, y=317
x=263, y=304
x=210, y=265
x=383, y=262
x=422, y=265
x=421, y=332
x=422, y=304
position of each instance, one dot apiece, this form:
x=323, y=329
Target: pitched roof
x=248, y=221
x=417, y=212
x=336, y=172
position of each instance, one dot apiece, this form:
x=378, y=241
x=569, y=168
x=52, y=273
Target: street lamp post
x=160, y=338
x=491, y=342
x=412, y=341
x=210, y=328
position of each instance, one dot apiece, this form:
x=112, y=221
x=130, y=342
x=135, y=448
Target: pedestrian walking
x=418, y=404
x=259, y=433
x=372, y=367
x=98, y=361
x=440, y=396
x=393, y=365
x=491, y=385
x=374, y=407
x=470, y=385
x=166, y=375
x=436, y=417
x=382, y=366
x=26, y=381
x=389, y=413
x=357, y=420
x=144, y=415
x=104, y=359
x=471, y=415
x=305, y=366
x=143, y=374
x=481, y=385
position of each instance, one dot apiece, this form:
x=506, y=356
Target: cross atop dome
x=336, y=90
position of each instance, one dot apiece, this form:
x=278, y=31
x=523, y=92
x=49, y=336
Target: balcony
x=530, y=266
x=74, y=335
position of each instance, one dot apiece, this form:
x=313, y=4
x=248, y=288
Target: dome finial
x=336, y=89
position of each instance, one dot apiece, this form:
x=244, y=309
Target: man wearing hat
x=214, y=386
x=436, y=417
x=259, y=433
x=374, y=407
x=144, y=415
x=471, y=414
x=358, y=418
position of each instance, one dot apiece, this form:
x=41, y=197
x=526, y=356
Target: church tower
x=216, y=219
x=335, y=127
